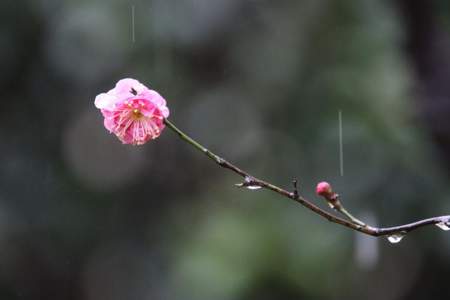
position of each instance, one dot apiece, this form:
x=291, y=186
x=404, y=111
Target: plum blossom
x=133, y=112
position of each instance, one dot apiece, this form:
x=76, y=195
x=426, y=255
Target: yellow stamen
x=137, y=113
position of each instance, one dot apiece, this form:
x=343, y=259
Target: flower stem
x=191, y=141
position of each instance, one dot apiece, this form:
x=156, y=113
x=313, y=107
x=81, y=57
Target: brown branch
x=374, y=231
x=251, y=181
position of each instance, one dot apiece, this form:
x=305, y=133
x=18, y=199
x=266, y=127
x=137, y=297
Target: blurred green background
x=259, y=82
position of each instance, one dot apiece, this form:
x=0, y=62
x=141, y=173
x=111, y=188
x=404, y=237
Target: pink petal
x=164, y=111
x=154, y=97
x=126, y=85
x=105, y=101
x=109, y=124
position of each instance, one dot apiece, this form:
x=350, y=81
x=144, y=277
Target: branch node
x=295, y=192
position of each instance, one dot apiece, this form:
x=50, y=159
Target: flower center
x=137, y=114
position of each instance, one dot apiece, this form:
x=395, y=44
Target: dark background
x=259, y=82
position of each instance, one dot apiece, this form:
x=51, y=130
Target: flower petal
x=164, y=111
x=109, y=124
x=127, y=85
x=105, y=101
x=155, y=97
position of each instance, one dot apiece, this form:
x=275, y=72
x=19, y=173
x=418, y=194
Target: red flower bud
x=324, y=189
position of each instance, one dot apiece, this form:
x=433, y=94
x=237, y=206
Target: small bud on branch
x=325, y=190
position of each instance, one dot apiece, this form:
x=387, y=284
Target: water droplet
x=253, y=187
x=249, y=183
x=395, y=238
x=444, y=225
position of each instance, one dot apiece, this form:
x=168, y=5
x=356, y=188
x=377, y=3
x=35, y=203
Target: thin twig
x=343, y=211
x=352, y=224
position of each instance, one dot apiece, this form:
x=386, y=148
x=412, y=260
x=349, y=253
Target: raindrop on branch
x=395, y=238
x=444, y=225
x=253, y=187
x=249, y=183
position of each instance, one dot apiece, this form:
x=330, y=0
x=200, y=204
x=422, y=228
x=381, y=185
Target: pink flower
x=134, y=113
